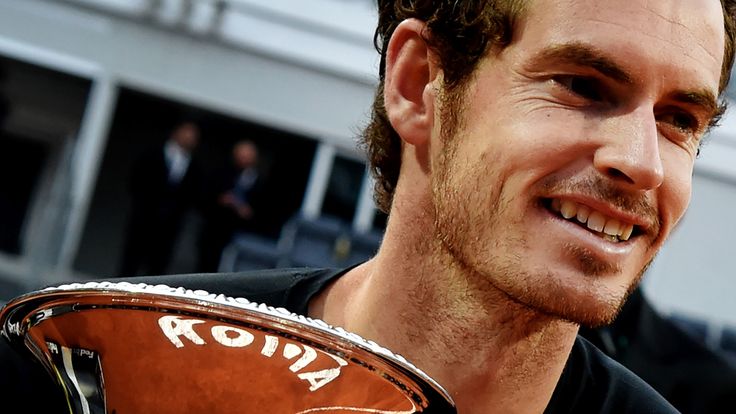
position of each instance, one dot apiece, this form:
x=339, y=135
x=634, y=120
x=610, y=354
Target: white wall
x=696, y=271
x=245, y=75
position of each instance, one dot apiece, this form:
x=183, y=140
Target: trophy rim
x=14, y=318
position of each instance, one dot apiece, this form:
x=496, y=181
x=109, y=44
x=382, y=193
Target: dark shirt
x=693, y=377
x=590, y=383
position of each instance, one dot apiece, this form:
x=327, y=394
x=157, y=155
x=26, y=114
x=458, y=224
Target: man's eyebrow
x=703, y=98
x=580, y=54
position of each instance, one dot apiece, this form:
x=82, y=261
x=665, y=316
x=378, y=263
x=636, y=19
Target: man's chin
x=591, y=317
x=592, y=298
x=590, y=306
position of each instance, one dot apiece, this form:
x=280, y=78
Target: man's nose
x=629, y=153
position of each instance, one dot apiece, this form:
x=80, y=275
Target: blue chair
x=317, y=242
x=250, y=252
x=363, y=246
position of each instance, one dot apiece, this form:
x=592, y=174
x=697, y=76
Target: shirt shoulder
x=592, y=382
x=286, y=288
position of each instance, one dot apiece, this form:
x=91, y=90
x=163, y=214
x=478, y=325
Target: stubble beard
x=469, y=235
x=494, y=263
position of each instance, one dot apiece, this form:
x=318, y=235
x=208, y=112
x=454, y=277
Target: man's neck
x=491, y=353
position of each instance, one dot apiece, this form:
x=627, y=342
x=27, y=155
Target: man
x=229, y=206
x=533, y=156
x=549, y=173
x=164, y=184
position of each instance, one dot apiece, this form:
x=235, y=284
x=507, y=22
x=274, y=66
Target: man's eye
x=682, y=121
x=585, y=87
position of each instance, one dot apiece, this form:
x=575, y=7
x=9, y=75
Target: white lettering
x=243, y=338
x=173, y=327
x=86, y=353
x=14, y=328
x=291, y=350
x=309, y=355
x=319, y=379
x=44, y=314
x=269, y=348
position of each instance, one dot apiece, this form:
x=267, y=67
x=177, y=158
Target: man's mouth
x=606, y=227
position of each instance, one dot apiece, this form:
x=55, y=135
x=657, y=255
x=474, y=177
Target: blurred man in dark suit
x=229, y=205
x=164, y=184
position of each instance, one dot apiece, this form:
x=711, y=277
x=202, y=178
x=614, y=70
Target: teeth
x=626, y=232
x=583, y=214
x=596, y=221
x=611, y=229
x=569, y=209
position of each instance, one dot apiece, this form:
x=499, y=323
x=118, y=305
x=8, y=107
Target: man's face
x=245, y=155
x=593, y=113
x=187, y=136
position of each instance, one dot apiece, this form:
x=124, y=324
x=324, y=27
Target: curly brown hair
x=461, y=33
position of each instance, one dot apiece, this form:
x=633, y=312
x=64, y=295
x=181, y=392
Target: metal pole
x=319, y=177
x=86, y=163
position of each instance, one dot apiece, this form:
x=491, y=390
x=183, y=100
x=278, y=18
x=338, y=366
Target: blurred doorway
x=41, y=111
x=143, y=120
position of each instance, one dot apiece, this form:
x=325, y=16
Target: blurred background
x=87, y=87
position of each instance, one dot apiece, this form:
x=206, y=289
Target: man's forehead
x=687, y=32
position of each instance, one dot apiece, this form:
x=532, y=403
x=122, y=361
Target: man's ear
x=409, y=92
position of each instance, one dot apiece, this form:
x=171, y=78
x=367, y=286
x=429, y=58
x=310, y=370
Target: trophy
x=137, y=348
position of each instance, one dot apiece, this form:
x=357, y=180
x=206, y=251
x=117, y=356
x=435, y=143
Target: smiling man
x=533, y=157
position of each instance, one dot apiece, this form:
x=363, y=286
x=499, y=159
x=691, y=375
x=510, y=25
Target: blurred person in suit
x=229, y=204
x=164, y=184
